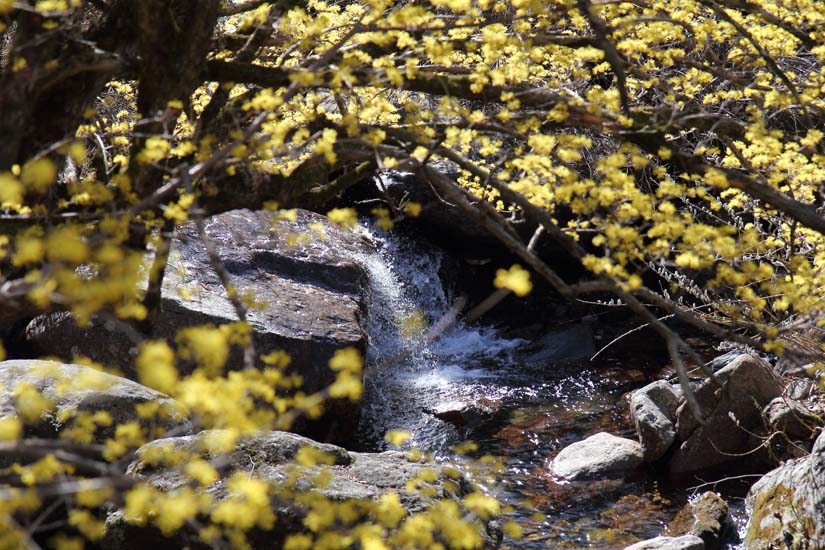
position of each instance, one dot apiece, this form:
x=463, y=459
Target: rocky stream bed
x=592, y=454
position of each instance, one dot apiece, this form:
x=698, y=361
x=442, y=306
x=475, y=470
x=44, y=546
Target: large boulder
x=733, y=415
x=599, y=456
x=653, y=411
x=686, y=542
x=787, y=505
x=305, y=274
x=64, y=392
x=344, y=477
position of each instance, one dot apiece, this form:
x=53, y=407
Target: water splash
x=407, y=295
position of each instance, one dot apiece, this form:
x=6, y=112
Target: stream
x=521, y=401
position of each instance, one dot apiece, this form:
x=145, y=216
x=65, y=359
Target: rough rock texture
x=75, y=389
x=787, y=506
x=705, y=517
x=304, y=274
x=599, y=456
x=358, y=476
x=653, y=411
x=271, y=456
x=792, y=418
x=748, y=385
x=687, y=542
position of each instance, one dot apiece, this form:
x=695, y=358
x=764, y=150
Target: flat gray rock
x=599, y=456
x=348, y=476
x=74, y=389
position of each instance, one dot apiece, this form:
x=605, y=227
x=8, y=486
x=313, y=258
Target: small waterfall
x=407, y=296
x=405, y=293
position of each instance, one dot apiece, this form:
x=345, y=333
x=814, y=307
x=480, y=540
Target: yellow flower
x=155, y=150
x=67, y=244
x=208, y=346
x=389, y=511
x=156, y=366
x=348, y=360
x=516, y=280
x=397, y=437
x=201, y=471
x=30, y=403
x=413, y=209
x=29, y=249
x=87, y=524
x=10, y=189
x=345, y=217
x=484, y=506
x=10, y=429
x=39, y=175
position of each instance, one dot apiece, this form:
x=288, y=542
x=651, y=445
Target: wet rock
x=599, y=456
x=787, y=506
x=569, y=344
x=466, y=414
x=791, y=418
x=732, y=414
x=76, y=389
x=705, y=517
x=687, y=542
x=653, y=410
x=304, y=274
x=270, y=457
x=437, y=217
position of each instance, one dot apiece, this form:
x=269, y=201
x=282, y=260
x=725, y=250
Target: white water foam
x=405, y=285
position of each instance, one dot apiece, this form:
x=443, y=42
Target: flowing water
x=519, y=400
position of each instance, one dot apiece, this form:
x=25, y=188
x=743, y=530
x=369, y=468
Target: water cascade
x=406, y=297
